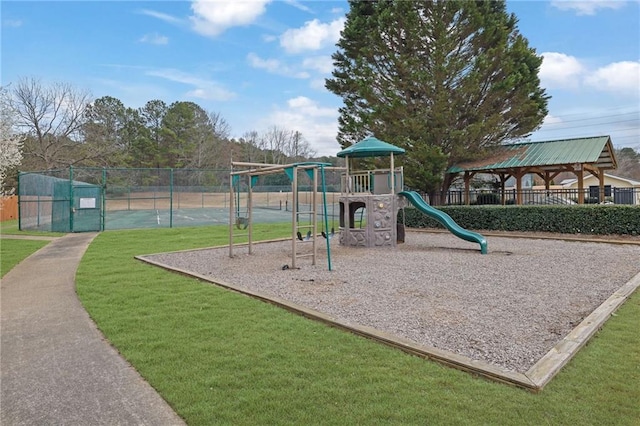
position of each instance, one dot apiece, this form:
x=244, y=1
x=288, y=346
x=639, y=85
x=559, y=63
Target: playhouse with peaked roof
x=369, y=201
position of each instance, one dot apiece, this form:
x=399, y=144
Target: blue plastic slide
x=445, y=220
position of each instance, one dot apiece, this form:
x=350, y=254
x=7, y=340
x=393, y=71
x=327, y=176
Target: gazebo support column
x=547, y=182
x=503, y=195
x=601, y=186
x=518, y=177
x=580, y=175
x=467, y=184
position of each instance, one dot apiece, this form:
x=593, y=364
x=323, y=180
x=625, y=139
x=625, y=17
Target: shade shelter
x=546, y=159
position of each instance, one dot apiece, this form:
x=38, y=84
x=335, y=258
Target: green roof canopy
x=593, y=152
x=370, y=147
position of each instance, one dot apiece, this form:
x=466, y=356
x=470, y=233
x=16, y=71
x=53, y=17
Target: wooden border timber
x=550, y=364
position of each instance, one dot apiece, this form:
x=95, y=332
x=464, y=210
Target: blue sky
x=263, y=63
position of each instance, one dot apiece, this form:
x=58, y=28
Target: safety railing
x=357, y=182
x=377, y=181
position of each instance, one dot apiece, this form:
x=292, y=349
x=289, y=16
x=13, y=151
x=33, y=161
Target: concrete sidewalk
x=55, y=366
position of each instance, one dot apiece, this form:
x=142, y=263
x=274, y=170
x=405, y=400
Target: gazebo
x=546, y=159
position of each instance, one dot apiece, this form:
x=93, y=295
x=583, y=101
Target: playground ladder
x=298, y=229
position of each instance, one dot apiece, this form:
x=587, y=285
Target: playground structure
x=377, y=194
x=380, y=194
x=373, y=192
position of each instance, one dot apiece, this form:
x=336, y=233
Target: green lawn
x=13, y=251
x=219, y=357
x=10, y=227
x=223, y=358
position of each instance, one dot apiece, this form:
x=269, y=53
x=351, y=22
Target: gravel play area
x=508, y=307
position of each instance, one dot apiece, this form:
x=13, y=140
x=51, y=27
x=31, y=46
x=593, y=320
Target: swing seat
x=324, y=234
x=307, y=238
x=242, y=222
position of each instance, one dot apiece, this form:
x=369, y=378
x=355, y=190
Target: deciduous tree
x=10, y=141
x=275, y=142
x=298, y=148
x=628, y=163
x=251, y=148
x=51, y=117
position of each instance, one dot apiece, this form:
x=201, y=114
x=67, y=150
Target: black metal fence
x=591, y=195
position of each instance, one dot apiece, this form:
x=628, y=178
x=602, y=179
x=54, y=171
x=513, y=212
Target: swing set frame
x=315, y=171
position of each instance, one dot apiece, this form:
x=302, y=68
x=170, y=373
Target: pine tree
x=446, y=80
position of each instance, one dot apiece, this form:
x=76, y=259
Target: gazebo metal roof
x=595, y=152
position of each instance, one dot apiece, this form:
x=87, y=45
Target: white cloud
x=318, y=125
x=269, y=38
x=298, y=5
x=550, y=119
x=211, y=18
x=618, y=77
x=317, y=84
x=212, y=93
x=161, y=16
x=587, y=7
x=132, y=94
x=202, y=88
x=154, y=38
x=12, y=23
x=314, y=35
x=322, y=64
x=274, y=66
x=560, y=70
x=310, y=107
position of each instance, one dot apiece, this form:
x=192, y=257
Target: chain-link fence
x=96, y=199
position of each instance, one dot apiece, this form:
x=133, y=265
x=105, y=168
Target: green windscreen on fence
x=49, y=202
x=60, y=206
x=97, y=199
x=43, y=197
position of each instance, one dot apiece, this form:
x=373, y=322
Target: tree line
x=63, y=126
x=57, y=125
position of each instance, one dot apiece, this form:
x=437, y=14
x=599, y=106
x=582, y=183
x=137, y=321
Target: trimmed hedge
x=583, y=219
